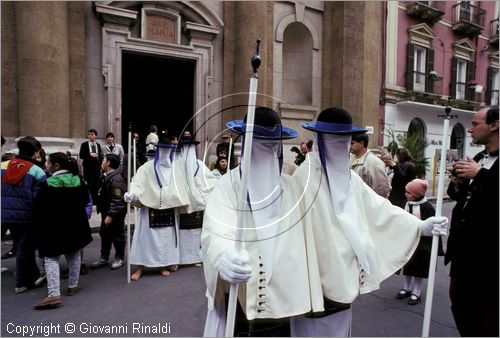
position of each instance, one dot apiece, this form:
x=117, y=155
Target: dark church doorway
x=156, y=90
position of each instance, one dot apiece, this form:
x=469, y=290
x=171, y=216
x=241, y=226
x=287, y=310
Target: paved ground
x=177, y=305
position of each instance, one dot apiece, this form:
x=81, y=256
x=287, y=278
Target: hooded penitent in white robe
x=286, y=293
x=272, y=236
x=200, y=182
x=157, y=247
x=387, y=235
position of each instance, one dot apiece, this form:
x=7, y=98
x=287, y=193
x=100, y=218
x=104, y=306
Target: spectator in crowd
x=140, y=150
x=12, y=251
x=91, y=156
x=473, y=241
x=368, y=166
x=21, y=182
x=404, y=172
x=112, y=207
x=223, y=148
x=112, y=147
x=220, y=167
x=306, y=146
x=417, y=268
x=152, y=138
x=173, y=139
x=63, y=226
x=387, y=159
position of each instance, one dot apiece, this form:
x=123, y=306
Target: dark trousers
x=92, y=177
x=475, y=312
x=24, y=240
x=113, y=234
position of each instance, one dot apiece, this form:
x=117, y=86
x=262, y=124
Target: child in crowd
x=417, y=268
x=63, y=227
x=220, y=167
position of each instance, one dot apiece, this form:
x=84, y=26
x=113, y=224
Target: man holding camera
x=473, y=240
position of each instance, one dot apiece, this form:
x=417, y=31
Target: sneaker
x=403, y=294
x=117, y=264
x=40, y=281
x=21, y=289
x=74, y=291
x=99, y=263
x=414, y=299
x=48, y=302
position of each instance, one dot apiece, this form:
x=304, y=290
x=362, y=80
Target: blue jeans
x=24, y=240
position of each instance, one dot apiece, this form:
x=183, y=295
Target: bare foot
x=164, y=272
x=173, y=268
x=137, y=274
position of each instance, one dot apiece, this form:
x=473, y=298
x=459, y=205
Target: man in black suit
x=91, y=156
x=473, y=241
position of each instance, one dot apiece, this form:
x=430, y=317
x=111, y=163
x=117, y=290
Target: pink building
x=435, y=51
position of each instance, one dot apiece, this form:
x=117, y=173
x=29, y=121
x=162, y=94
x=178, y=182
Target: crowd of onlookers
x=47, y=203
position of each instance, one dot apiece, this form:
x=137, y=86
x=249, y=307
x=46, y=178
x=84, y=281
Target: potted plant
x=434, y=76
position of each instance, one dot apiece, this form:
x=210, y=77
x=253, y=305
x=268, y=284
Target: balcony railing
x=428, y=11
x=468, y=19
x=494, y=31
x=494, y=98
x=421, y=82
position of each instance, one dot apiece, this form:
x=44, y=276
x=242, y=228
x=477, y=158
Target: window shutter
x=471, y=72
x=409, y=66
x=429, y=83
x=453, y=89
x=489, y=86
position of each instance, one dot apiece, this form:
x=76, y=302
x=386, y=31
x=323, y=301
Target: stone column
x=10, y=116
x=42, y=55
x=251, y=20
x=352, y=58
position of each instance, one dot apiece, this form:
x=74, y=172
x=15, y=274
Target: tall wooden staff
x=129, y=160
x=134, y=169
x=439, y=205
x=228, y=169
x=245, y=171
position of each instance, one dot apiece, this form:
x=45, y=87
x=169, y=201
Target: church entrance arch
x=157, y=90
x=158, y=66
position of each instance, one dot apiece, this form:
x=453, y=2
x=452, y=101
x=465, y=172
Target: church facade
x=114, y=65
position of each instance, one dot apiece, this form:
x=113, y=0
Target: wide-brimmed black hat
x=187, y=140
x=334, y=121
x=267, y=125
x=164, y=142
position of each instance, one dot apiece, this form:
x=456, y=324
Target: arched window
x=297, y=64
x=417, y=129
x=458, y=139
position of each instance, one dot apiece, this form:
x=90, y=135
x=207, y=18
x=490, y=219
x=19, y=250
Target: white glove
x=234, y=267
x=434, y=226
x=129, y=197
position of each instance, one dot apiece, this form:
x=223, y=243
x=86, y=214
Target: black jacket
x=63, y=226
x=403, y=174
x=110, y=200
x=473, y=240
x=90, y=164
